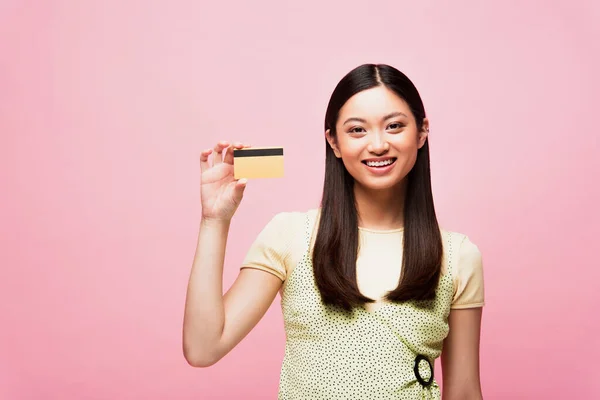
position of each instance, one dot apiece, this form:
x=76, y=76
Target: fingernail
x=243, y=181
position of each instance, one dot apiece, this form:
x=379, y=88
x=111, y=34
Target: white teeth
x=379, y=163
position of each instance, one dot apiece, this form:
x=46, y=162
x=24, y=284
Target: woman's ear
x=424, y=133
x=332, y=143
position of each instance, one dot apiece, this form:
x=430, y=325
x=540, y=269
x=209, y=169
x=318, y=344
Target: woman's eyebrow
x=386, y=117
x=394, y=114
x=355, y=119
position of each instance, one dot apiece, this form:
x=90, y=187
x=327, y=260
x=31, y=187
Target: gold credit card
x=263, y=162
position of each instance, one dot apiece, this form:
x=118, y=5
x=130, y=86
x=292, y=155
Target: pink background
x=105, y=106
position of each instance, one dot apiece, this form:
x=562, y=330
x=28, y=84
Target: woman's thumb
x=238, y=190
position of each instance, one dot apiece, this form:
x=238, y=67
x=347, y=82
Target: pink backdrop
x=105, y=106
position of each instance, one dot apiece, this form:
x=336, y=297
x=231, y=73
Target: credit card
x=258, y=162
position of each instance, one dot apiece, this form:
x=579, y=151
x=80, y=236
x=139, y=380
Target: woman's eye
x=395, y=126
x=357, y=129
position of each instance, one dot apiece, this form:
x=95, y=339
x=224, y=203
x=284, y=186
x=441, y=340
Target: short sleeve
x=271, y=249
x=468, y=277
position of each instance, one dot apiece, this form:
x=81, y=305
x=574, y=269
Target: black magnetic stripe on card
x=257, y=152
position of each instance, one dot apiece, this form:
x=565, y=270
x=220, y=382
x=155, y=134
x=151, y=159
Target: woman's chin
x=380, y=185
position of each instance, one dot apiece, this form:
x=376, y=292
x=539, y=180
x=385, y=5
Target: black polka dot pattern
x=332, y=354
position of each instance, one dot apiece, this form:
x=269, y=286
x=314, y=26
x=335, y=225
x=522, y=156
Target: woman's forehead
x=374, y=103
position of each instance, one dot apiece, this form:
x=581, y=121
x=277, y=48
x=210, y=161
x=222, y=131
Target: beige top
x=279, y=247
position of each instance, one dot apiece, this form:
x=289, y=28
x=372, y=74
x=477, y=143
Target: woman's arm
x=460, y=356
x=214, y=324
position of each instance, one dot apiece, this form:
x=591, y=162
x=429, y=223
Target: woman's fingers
x=228, y=158
x=204, y=165
x=222, y=152
x=218, y=155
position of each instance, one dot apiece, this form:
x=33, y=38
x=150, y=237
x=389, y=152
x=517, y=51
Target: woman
x=372, y=289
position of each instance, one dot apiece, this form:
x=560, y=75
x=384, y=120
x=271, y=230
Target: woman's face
x=377, y=138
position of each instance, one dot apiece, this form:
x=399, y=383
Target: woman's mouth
x=379, y=163
x=380, y=166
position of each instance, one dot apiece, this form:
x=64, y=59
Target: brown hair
x=336, y=245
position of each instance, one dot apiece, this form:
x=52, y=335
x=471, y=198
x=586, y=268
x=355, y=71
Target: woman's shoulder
x=292, y=223
x=295, y=217
x=453, y=240
x=460, y=251
x=279, y=245
x=464, y=261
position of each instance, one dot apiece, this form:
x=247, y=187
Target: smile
x=379, y=163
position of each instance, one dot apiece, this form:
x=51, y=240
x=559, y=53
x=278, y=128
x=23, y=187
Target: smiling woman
x=383, y=119
x=378, y=135
x=373, y=290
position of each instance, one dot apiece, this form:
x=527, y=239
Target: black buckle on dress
x=422, y=381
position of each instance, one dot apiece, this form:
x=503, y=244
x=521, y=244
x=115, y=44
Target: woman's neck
x=380, y=210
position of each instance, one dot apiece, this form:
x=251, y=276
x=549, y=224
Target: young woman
x=372, y=289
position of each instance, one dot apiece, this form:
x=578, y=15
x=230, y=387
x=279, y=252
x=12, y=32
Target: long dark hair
x=336, y=245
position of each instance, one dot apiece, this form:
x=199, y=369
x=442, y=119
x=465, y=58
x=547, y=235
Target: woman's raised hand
x=220, y=192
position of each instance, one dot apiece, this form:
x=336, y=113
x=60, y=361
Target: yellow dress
x=387, y=353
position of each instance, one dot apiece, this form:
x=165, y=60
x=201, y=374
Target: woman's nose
x=379, y=144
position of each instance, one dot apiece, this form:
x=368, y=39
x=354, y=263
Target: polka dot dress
x=381, y=354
